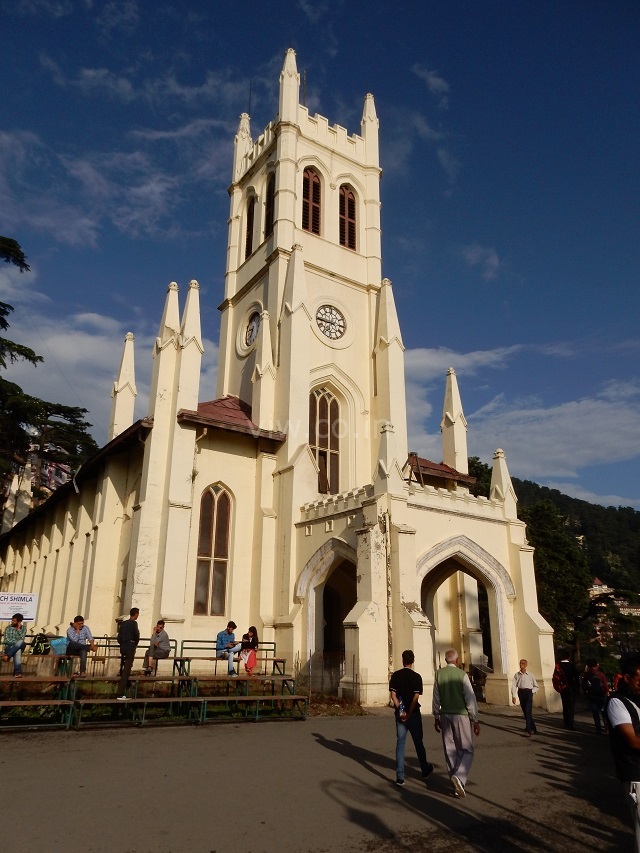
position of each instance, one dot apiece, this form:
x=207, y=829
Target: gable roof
x=426, y=468
x=231, y=414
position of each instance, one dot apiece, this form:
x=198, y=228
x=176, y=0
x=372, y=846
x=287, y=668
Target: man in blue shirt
x=226, y=646
x=79, y=641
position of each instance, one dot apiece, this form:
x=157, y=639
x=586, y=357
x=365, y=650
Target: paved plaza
x=321, y=786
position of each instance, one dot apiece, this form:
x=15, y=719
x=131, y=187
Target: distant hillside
x=610, y=536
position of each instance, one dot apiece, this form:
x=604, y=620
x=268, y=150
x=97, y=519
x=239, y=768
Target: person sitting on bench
x=14, y=643
x=226, y=646
x=78, y=636
x=159, y=647
x=248, y=649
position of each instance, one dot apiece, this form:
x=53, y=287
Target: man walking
x=405, y=688
x=14, y=643
x=596, y=690
x=566, y=682
x=456, y=715
x=524, y=686
x=128, y=638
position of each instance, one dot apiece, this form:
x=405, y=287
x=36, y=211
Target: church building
x=291, y=501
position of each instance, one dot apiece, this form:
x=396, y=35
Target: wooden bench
x=290, y=706
x=136, y=709
x=241, y=684
x=63, y=705
x=182, y=664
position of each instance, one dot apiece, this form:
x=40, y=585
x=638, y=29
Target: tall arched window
x=213, y=553
x=311, y=201
x=248, y=243
x=270, y=205
x=324, y=438
x=347, y=217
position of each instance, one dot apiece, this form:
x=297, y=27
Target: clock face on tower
x=251, y=332
x=331, y=322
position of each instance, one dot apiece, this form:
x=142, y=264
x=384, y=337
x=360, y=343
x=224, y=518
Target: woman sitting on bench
x=249, y=647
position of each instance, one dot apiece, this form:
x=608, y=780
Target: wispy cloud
x=483, y=257
x=543, y=442
x=436, y=84
x=118, y=16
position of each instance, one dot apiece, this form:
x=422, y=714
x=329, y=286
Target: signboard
x=18, y=602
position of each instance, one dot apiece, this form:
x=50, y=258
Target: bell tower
x=309, y=333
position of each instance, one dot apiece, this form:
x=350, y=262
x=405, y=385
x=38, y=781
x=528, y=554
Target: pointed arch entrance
x=327, y=590
x=466, y=594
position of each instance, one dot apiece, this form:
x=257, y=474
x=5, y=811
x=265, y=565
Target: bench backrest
x=266, y=649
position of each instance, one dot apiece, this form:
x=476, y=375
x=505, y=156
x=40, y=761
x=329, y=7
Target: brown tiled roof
x=228, y=413
x=437, y=469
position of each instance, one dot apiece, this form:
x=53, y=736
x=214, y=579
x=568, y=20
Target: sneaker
x=400, y=782
x=429, y=771
x=122, y=698
x=233, y=674
x=458, y=787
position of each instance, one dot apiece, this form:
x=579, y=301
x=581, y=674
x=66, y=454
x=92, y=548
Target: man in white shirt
x=523, y=686
x=623, y=715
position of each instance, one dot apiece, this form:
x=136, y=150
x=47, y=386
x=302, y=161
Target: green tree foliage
x=50, y=431
x=610, y=535
x=481, y=471
x=562, y=574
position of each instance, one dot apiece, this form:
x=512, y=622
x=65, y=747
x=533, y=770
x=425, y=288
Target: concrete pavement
x=323, y=785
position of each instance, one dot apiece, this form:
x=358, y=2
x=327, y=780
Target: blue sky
x=511, y=199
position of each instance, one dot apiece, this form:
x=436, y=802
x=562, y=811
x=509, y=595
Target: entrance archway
x=328, y=587
x=451, y=574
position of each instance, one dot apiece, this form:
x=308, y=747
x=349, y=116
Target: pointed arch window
x=347, y=217
x=248, y=243
x=324, y=438
x=213, y=553
x=270, y=205
x=311, y=201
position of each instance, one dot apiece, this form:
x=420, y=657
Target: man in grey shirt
x=159, y=647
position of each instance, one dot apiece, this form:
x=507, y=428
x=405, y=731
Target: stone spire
x=242, y=145
x=501, y=486
x=165, y=350
x=289, y=88
x=454, y=427
x=389, y=351
x=369, y=130
x=191, y=350
x=124, y=391
x=263, y=377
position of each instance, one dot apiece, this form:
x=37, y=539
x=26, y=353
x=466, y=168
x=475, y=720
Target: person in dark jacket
x=128, y=639
x=570, y=689
x=622, y=713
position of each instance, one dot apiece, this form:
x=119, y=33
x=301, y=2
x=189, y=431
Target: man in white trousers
x=456, y=715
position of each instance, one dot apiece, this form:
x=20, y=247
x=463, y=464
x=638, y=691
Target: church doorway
x=461, y=608
x=337, y=596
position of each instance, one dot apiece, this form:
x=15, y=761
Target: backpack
x=559, y=679
x=40, y=645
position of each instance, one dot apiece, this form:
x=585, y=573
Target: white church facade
x=291, y=501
